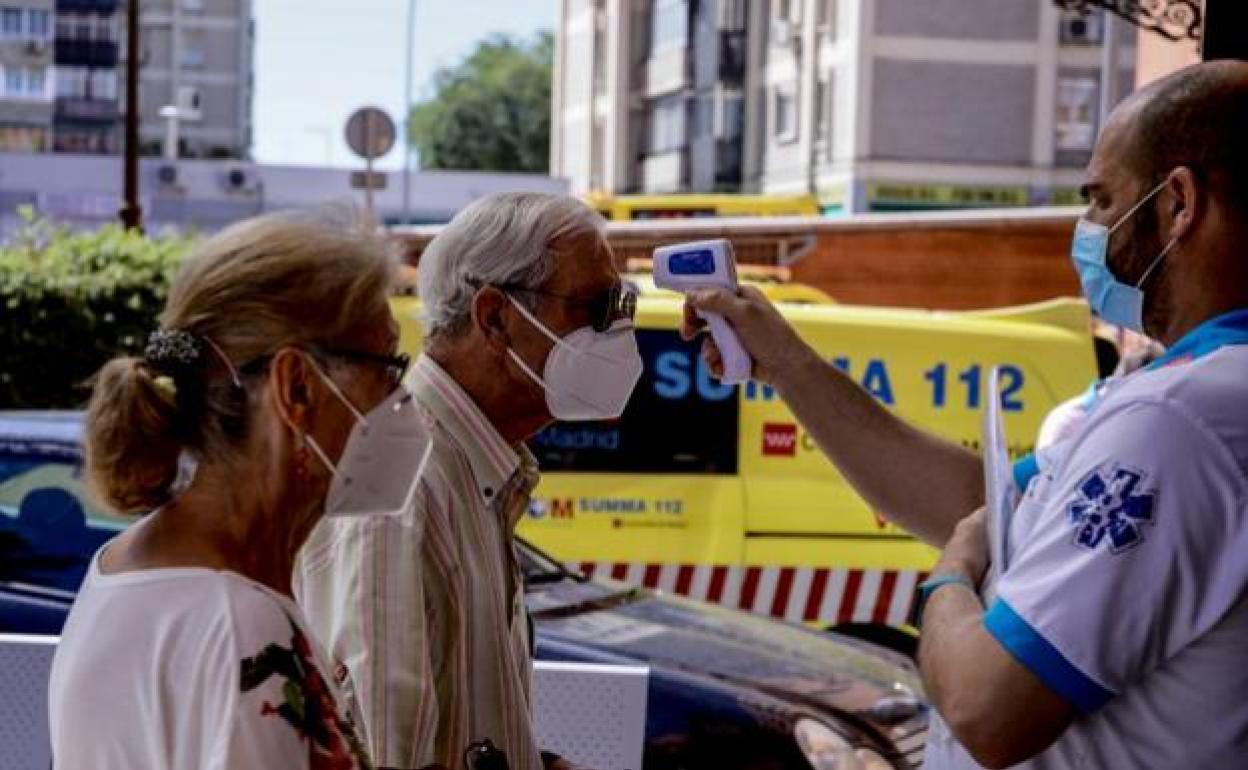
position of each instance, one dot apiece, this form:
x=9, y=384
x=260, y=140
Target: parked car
x=728, y=689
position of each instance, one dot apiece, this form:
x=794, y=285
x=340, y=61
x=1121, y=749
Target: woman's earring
x=301, y=460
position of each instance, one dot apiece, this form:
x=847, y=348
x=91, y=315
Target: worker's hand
x=966, y=553
x=769, y=339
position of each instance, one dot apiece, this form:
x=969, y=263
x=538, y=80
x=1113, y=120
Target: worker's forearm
x=920, y=482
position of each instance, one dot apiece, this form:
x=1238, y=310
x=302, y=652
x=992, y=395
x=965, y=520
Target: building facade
x=27, y=89
x=867, y=104
x=87, y=108
x=62, y=76
x=197, y=57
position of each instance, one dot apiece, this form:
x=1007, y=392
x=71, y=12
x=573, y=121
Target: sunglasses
x=605, y=308
x=395, y=365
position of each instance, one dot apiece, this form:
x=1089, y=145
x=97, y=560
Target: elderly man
x=526, y=321
x=1116, y=636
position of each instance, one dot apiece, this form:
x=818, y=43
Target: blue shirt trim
x=1026, y=468
x=1043, y=659
x=1227, y=329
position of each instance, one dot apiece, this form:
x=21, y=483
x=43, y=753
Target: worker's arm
x=915, y=479
x=996, y=708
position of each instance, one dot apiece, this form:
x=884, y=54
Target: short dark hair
x=1196, y=117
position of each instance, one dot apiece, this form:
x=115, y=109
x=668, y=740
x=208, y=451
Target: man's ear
x=1187, y=202
x=291, y=383
x=489, y=317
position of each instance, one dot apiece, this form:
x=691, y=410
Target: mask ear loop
x=1156, y=262
x=229, y=365
x=1137, y=206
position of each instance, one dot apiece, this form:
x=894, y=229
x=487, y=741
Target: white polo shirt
x=1125, y=590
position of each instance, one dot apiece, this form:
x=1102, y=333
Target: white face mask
x=384, y=458
x=589, y=375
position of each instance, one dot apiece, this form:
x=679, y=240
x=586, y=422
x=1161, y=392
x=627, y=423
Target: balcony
x=105, y=7
x=87, y=110
x=97, y=54
x=732, y=52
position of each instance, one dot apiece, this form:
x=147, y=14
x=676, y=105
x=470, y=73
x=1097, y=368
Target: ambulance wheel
x=886, y=636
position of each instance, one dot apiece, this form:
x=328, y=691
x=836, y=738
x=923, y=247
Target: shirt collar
x=1227, y=329
x=493, y=461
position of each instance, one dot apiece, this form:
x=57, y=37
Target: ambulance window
x=680, y=420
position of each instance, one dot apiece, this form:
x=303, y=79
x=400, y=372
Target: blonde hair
x=263, y=284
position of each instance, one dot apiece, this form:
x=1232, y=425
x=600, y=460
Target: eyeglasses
x=395, y=365
x=616, y=303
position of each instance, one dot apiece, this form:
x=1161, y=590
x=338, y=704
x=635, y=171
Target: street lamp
x=172, y=115
x=131, y=213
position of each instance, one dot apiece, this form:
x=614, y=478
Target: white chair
x=593, y=715
x=25, y=665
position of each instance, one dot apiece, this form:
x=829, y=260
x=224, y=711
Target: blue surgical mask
x=1111, y=300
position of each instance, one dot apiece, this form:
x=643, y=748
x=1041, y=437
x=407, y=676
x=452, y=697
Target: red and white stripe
x=796, y=594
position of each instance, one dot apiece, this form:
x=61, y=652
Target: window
x=39, y=25
x=26, y=82
x=679, y=420
x=669, y=24
x=785, y=117
x=49, y=528
x=104, y=85
x=83, y=28
x=827, y=17
x=36, y=82
x=11, y=22
x=105, y=29
x=1077, y=103
x=789, y=10
x=23, y=139
x=14, y=82
x=193, y=58
x=71, y=82
x=729, y=115
x=64, y=25
x=668, y=124
x=823, y=109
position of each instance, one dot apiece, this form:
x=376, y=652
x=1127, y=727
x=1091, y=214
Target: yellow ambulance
x=716, y=493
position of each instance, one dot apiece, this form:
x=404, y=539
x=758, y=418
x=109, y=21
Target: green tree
x=492, y=111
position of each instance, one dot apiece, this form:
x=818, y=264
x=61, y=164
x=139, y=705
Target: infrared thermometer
x=684, y=267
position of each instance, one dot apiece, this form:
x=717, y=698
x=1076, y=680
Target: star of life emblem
x=1110, y=508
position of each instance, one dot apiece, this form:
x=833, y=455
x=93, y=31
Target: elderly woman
x=184, y=648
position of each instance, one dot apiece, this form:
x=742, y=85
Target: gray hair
x=507, y=239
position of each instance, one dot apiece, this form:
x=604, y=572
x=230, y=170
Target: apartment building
x=867, y=104
x=88, y=113
x=197, y=56
x=26, y=75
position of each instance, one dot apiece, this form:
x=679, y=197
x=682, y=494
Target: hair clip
x=172, y=346
x=167, y=387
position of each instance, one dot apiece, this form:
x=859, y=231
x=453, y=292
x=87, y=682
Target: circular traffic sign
x=370, y=133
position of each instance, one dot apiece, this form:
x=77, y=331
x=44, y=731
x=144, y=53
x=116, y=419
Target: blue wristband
x=930, y=586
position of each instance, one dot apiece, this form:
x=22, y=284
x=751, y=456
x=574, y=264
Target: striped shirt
x=423, y=612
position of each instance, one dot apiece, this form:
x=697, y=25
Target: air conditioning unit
x=167, y=174
x=36, y=47
x=240, y=180
x=1080, y=29
x=189, y=103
